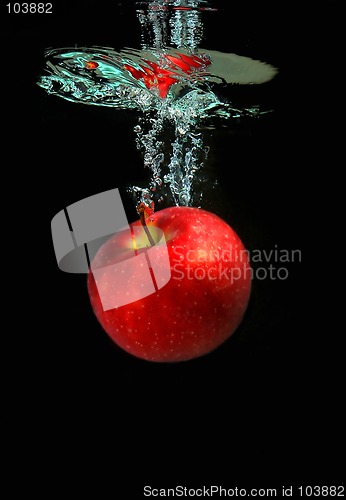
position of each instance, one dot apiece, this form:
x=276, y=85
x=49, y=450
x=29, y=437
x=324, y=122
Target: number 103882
x=29, y=8
x=322, y=491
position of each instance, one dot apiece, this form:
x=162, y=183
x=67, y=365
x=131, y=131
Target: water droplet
x=181, y=130
x=137, y=129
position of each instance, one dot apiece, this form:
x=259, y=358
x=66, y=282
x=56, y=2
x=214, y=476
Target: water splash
x=170, y=81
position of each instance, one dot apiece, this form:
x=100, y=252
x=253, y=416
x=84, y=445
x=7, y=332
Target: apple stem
x=141, y=212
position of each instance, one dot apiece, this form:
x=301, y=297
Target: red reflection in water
x=156, y=77
x=91, y=65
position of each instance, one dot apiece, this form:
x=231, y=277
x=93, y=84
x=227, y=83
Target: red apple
x=202, y=303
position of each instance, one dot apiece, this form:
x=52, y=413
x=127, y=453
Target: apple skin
x=202, y=304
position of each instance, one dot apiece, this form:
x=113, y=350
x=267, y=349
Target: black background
x=266, y=406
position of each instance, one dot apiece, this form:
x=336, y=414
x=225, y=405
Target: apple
x=201, y=304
